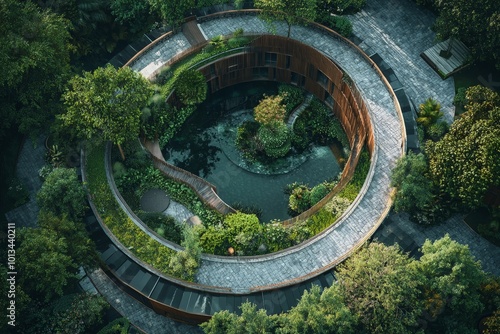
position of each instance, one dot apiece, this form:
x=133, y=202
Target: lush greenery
x=476, y=23
x=144, y=247
x=381, y=290
x=62, y=193
x=290, y=11
x=106, y=104
x=35, y=45
x=466, y=161
x=415, y=192
x=303, y=197
x=457, y=169
x=191, y=87
x=317, y=124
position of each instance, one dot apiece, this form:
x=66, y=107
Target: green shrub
x=460, y=100
x=351, y=190
x=275, y=139
x=117, y=326
x=322, y=127
x=242, y=231
x=191, y=87
x=292, y=96
x=437, y=130
x=337, y=205
x=318, y=193
x=320, y=220
x=165, y=226
x=300, y=199
x=184, y=264
x=276, y=237
x=340, y=24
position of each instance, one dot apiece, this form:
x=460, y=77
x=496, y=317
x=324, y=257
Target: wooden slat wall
x=349, y=106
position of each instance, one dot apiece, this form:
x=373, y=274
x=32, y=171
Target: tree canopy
x=62, y=194
x=34, y=45
x=452, y=279
x=106, y=103
x=414, y=191
x=476, y=23
x=466, y=161
x=380, y=288
x=290, y=11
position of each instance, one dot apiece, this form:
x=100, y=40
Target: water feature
x=205, y=147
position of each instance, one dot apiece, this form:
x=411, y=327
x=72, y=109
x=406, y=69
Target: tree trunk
x=121, y=152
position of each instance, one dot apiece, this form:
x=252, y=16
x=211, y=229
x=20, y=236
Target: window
x=322, y=79
x=287, y=62
x=271, y=58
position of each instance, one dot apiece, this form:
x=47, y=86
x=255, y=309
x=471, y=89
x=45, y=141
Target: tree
x=429, y=112
x=452, y=281
x=44, y=265
x=290, y=11
x=62, y=194
x=476, y=23
x=34, y=46
x=79, y=246
x=466, y=161
x=172, y=11
x=414, y=191
x=319, y=313
x=251, y=321
x=380, y=288
x=270, y=110
x=132, y=13
x=107, y=103
x=84, y=311
x=184, y=263
x=191, y=87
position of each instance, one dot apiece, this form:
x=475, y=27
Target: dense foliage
x=381, y=290
x=476, y=23
x=106, y=104
x=34, y=46
x=291, y=11
x=414, y=193
x=191, y=87
x=62, y=194
x=466, y=161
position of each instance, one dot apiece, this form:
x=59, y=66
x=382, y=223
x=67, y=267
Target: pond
x=205, y=146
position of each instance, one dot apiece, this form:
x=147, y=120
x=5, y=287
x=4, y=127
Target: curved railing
x=305, y=244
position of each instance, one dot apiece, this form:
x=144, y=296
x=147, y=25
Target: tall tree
x=290, y=11
x=44, y=265
x=107, y=103
x=452, y=279
x=62, y=194
x=381, y=289
x=34, y=57
x=414, y=191
x=172, y=11
x=319, y=313
x=79, y=246
x=466, y=161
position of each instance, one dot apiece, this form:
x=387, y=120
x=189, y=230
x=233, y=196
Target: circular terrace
x=240, y=276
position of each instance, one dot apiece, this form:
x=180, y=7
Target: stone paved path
x=482, y=249
x=31, y=159
x=317, y=253
x=141, y=316
x=399, y=31
x=160, y=54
